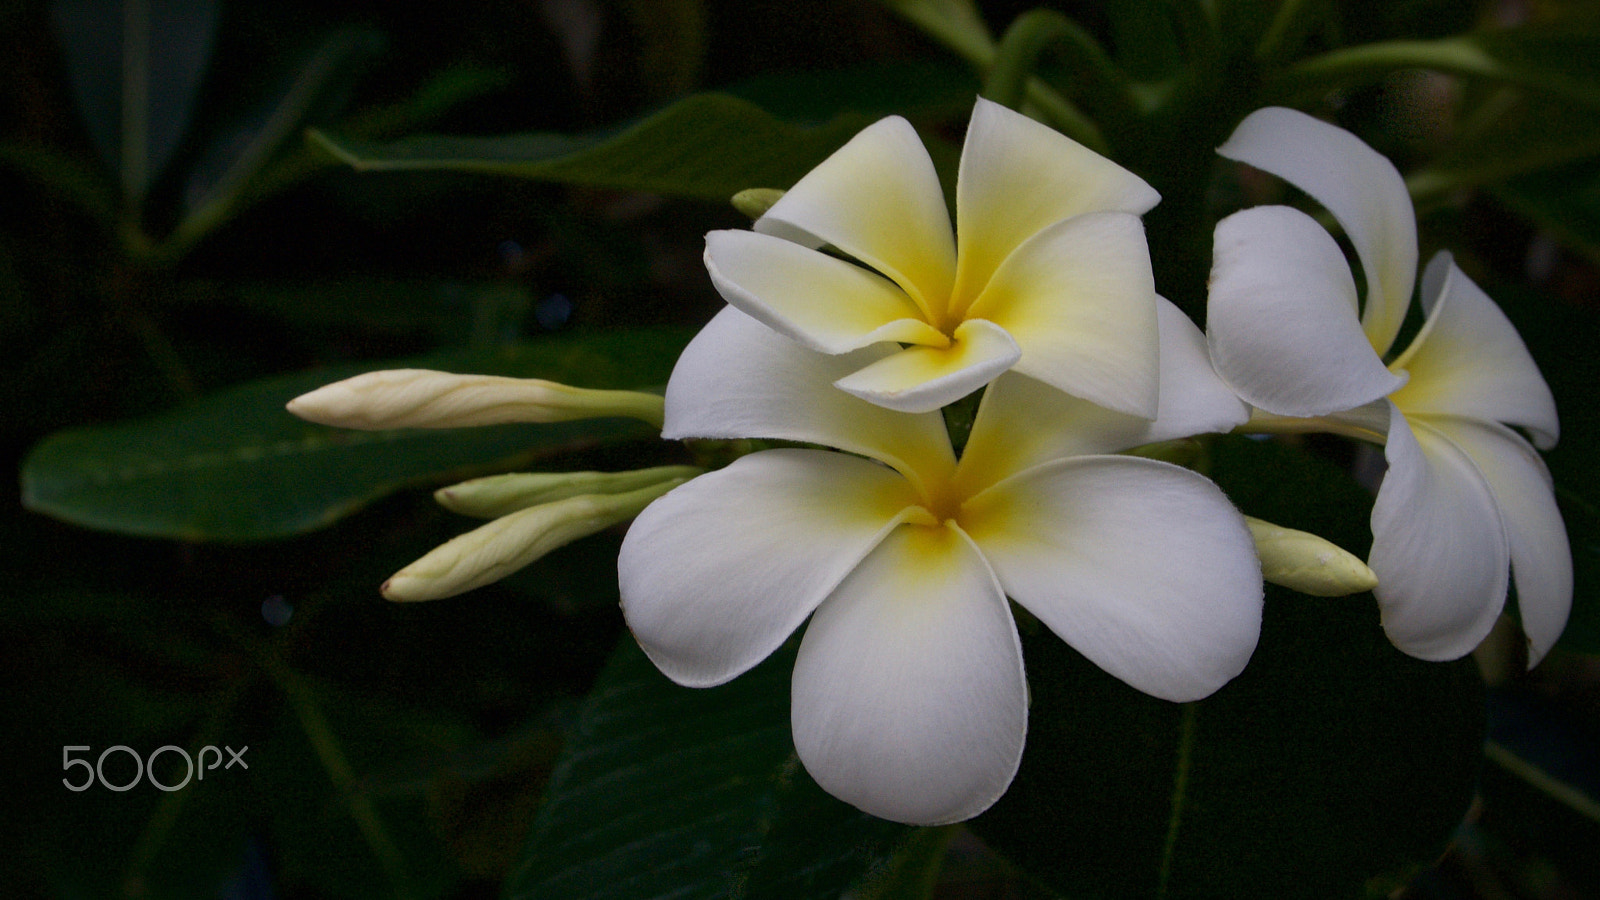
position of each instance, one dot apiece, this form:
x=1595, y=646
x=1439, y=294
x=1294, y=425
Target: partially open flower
x=1465, y=496
x=1050, y=275
x=908, y=697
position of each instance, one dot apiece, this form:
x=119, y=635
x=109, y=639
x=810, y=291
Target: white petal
x=740, y=379
x=909, y=700
x=877, y=199
x=1017, y=177
x=1362, y=190
x=717, y=573
x=1080, y=301
x=1023, y=422
x=1281, y=317
x=922, y=379
x=1468, y=360
x=821, y=301
x=1438, y=547
x=1541, y=559
x=1143, y=567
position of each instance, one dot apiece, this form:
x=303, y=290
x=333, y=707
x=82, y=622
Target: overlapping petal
x=1079, y=299
x=1438, y=546
x=1541, y=559
x=819, y=300
x=1281, y=291
x=1143, y=567
x=908, y=699
x=922, y=379
x=717, y=573
x=1023, y=422
x=1468, y=360
x=878, y=200
x=1019, y=176
x=1362, y=189
x=740, y=379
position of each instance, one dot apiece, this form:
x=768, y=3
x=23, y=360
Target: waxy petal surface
x=878, y=200
x=922, y=379
x=740, y=379
x=1023, y=422
x=1364, y=192
x=909, y=700
x=1541, y=558
x=1438, y=546
x=717, y=573
x=1143, y=567
x=821, y=301
x=1017, y=177
x=1281, y=319
x=1468, y=360
x=1080, y=300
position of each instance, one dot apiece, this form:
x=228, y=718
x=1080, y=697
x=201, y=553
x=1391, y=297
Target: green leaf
x=1513, y=137
x=231, y=169
x=708, y=146
x=136, y=68
x=236, y=466
x=1564, y=199
x=1556, y=59
x=665, y=791
x=1331, y=761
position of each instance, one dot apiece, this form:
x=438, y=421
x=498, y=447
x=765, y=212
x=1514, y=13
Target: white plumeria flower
x=908, y=694
x=1465, y=497
x=1051, y=276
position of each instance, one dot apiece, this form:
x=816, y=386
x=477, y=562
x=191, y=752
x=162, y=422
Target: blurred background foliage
x=215, y=206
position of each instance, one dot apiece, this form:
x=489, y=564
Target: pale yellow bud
x=1308, y=564
x=490, y=553
x=498, y=495
x=421, y=398
x=754, y=202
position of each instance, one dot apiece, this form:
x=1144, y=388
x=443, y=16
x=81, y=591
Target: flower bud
x=754, y=202
x=498, y=495
x=421, y=398
x=1307, y=563
x=493, y=551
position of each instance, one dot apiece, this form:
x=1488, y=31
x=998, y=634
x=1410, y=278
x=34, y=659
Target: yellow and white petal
x=1080, y=300
x=1541, y=558
x=1023, y=422
x=1281, y=321
x=1438, y=546
x=1364, y=192
x=821, y=301
x=922, y=379
x=877, y=199
x=717, y=573
x=1468, y=360
x=740, y=379
x=1143, y=567
x=909, y=701
x=1018, y=177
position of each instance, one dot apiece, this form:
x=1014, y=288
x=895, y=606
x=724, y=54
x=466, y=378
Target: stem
x=1180, y=791
x=1027, y=37
x=957, y=26
x=135, y=99
x=1285, y=23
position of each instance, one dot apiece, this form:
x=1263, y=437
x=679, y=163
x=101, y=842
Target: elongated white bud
x=498, y=495
x=493, y=551
x=422, y=398
x=1307, y=563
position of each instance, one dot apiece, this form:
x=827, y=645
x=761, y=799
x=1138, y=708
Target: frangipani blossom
x=908, y=697
x=1051, y=274
x=1465, y=497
